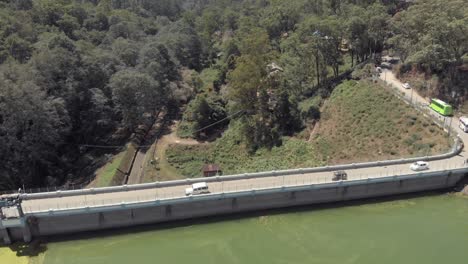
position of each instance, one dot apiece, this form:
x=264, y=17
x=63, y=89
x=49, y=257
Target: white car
x=419, y=166
x=197, y=188
x=406, y=86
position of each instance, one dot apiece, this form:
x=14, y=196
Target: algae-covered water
x=425, y=230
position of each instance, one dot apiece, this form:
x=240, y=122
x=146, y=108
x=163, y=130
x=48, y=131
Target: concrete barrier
x=458, y=146
x=216, y=196
x=73, y=220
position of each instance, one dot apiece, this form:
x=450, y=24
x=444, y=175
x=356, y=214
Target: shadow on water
x=39, y=245
x=33, y=249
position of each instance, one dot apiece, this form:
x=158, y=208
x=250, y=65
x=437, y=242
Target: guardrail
x=457, y=148
x=421, y=107
x=236, y=194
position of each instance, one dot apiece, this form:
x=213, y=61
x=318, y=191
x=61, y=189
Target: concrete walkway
x=136, y=174
x=37, y=205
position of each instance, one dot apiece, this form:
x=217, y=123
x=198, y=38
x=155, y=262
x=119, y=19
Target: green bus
x=441, y=107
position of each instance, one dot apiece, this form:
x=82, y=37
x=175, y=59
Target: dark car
x=386, y=65
x=339, y=176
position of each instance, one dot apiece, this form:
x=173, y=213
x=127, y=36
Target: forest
x=81, y=73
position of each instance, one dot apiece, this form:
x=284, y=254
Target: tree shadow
x=155, y=134
x=32, y=249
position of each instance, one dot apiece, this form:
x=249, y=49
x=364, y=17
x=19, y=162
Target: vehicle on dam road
x=463, y=123
x=197, y=188
x=340, y=176
x=419, y=166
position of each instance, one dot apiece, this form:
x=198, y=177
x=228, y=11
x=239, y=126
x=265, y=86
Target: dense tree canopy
x=74, y=73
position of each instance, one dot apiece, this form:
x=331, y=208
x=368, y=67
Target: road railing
x=455, y=150
x=103, y=205
x=422, y=107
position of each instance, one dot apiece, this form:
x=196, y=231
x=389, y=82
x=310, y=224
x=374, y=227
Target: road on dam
x=31, y=205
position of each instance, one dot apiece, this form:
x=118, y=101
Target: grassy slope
x=233, y=157
x=365, y=122
x=314, y=101
x=160, y=170
x=106, y=174
x=361, y=122
x=112, y=173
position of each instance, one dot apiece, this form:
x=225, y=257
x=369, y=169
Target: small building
x=344, y=45
x=273, y=68
x=211, y=170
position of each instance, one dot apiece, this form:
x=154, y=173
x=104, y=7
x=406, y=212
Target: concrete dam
x=66, y=212
x=26, y=216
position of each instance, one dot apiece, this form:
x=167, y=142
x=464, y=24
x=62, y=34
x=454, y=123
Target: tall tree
x=32, y=127
x=136, y=94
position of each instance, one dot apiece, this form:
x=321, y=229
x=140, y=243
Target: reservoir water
x=431, y=229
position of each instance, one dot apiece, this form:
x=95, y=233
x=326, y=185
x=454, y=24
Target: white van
x=419, y=166
x=463, y=123
x=197, y=188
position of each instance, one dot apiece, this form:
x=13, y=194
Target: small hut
x=211, y=170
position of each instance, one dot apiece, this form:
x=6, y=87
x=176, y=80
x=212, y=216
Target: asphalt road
x=36, y=205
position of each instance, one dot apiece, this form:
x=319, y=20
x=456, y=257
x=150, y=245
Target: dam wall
x=455, y=150
x=74, y=220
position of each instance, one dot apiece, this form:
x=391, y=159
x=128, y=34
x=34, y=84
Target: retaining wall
x=456, y=149
x=120, y=215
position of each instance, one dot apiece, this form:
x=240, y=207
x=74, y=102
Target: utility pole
x=411, y=99
x=449, y=128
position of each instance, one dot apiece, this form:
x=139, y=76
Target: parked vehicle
x=197, y=188
x=406, y=86
x=340, y=176
x=386, y=65
x=419, y=166
x=463, y=123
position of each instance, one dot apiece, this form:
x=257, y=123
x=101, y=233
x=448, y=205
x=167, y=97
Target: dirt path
x=390, y=78
x=172, y=138
x=137, y=169
x=137, y=172
x=316, y=127
x=160, y=169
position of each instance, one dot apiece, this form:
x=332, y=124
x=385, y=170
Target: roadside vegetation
x=431, y=39
x=361, y=121
x=106, y=175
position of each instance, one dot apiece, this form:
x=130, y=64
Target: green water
x=419, y=230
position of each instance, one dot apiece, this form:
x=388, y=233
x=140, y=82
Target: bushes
x=233, y=156
x=201, y=114
x=363, y=72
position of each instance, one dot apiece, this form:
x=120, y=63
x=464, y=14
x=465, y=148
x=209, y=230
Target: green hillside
x=366, y=122
x=360, y=122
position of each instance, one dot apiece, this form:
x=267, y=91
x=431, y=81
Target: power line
x=100, y=146
x=143, y=146
x=217, y=122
